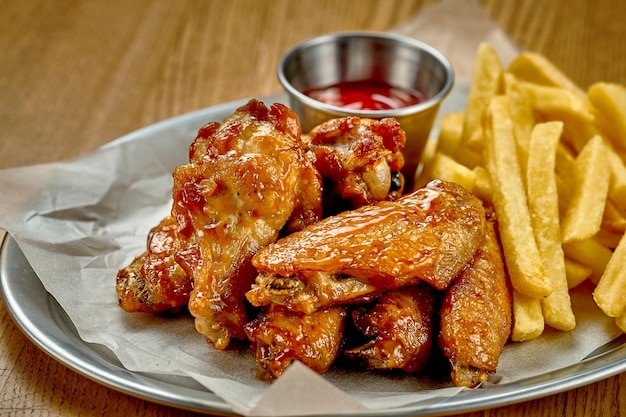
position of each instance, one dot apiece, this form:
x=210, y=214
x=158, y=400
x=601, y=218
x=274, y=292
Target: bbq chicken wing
x=428, y=235
x=400, y=329
x=250, y=181
x=279, y=336
x=257, y=129
x=360, y=160
x=154, y=282
x=476, y=315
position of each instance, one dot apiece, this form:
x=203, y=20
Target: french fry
x=610, y=101
x=555, y=103
x=482, y=185
x=528, y=320
x=447, y=169
x=536, y=68
x=589, y=253
x=486, y=79
x=610, y=293
x=471, y=158
x=608, y=238
x=509, y=198
x=613, y=219
x=564, y=163
x=522, y=114
x=617, y=167
x=576, y=273
x=544, y=213
x=450, y=131
x=565, y=194
x=584, y=215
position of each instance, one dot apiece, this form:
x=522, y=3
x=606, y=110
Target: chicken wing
x=154, y=282
x=476, y=315
x=280, y=336
x=400, y=327
x=257, y=129
x=250, y=181
x=428, y=235
x=360, y=160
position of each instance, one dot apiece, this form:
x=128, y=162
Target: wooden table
x=77, y=74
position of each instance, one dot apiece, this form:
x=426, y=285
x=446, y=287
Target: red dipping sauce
x=366, y=95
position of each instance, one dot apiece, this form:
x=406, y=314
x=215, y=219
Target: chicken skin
x=476, y=315
x=428, y=235
x=359, y=159
x=251, y=180
x=400, y=326
x=154, y=282
x=279, y=336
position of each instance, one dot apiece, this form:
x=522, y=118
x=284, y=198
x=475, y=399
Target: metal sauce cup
x=369, y=56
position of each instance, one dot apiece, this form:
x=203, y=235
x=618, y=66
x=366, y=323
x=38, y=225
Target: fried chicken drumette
x=154, y=282
x=400, y=326
x=359, y=159
x=279, y=336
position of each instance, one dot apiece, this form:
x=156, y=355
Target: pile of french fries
x=550, y=159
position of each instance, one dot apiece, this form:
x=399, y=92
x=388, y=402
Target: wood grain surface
x=77, y=74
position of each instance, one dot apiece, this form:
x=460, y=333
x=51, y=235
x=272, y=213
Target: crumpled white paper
x=79, y=221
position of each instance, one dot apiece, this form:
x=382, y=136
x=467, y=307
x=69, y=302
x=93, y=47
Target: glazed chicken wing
x=275, y=132
x=250, y=180
x=154, y=282
x=400, y=326
x=428, y=235
x=360, y=160
x=279, y=337
x=476, y=315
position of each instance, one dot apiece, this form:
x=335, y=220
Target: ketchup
x=365, y=95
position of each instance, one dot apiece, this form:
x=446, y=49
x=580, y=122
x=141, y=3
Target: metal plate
x=43, y=321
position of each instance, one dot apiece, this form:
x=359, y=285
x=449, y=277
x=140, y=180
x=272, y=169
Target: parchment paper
x=79, y=221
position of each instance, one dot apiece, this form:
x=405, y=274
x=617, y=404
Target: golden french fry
x=610, y=101
x=544, y=213
x=509, y=198
x=555, y=103
x=445, y=168
x=470, y=153
x=470, y=158
x=589, y=253
x=608, y=238
x=536, y=68
x=482, y=184
x=450, y=131
x=523, y=115
x=610, y=293
x=576, y=273
x=528, y=320
x=564, y=163
x=613, y=219
x=621, y=322
x=565, y=194
x=584, y=215
x=484, y=85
